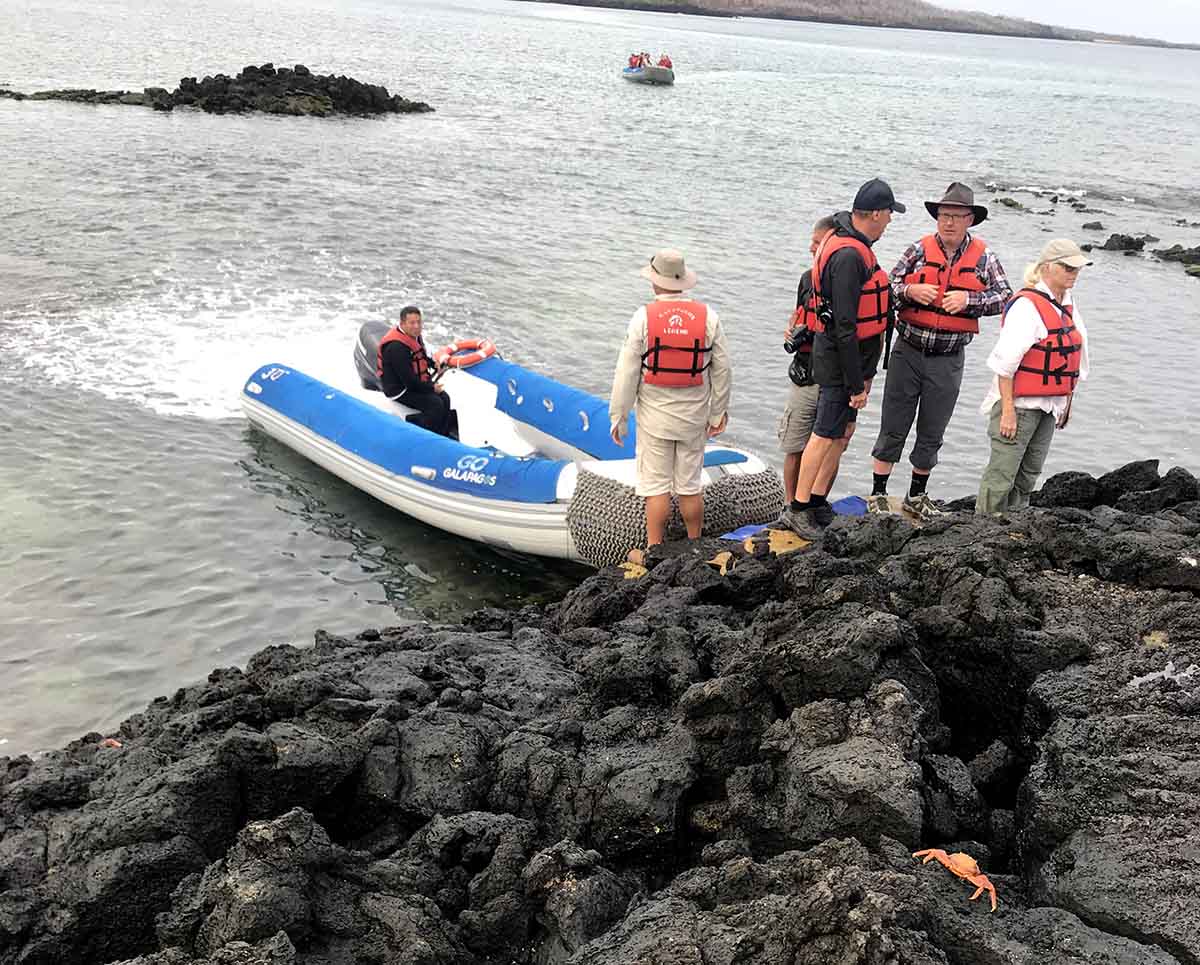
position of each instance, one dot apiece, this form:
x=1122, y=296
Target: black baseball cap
x=876, y=195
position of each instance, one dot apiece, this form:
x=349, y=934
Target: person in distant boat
x=943, y=284
x=674, y=369
x=796, y=424
x=407, y=375
x=665, y=61
x=1039, y=359
x=853, y=302
x=635, y=61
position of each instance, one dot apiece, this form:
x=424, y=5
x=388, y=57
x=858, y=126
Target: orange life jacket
x=874, y=303
x=1051, y=366
x=961, y=276
x=804, y=318
x=677, y=349
x=419, y=361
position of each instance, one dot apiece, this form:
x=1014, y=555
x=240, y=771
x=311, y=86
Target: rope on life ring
x=464, y=352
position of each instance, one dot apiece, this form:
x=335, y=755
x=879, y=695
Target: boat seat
x=480, y=423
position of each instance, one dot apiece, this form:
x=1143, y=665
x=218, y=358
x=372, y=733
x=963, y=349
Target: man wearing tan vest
x=674, y=371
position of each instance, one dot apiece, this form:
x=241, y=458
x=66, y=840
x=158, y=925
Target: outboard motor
x=366, y=353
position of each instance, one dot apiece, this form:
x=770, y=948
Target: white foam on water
x=190, y=354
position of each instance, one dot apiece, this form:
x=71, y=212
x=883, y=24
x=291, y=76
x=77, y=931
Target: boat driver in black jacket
x=407, y=376
x=855, y=310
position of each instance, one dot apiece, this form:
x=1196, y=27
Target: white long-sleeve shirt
x=670, y=413
x=1023, y=328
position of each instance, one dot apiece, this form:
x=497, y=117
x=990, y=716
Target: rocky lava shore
x=682, y=767
x=284, y=90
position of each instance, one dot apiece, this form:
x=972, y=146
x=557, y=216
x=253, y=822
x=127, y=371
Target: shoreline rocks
x=285, y=90
x=675, y=765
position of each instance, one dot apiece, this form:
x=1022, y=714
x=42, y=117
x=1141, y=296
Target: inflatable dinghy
x=534, y=468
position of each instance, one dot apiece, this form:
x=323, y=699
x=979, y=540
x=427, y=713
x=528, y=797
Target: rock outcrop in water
x=271, y=90
x=1188, y=257
x=680, y=767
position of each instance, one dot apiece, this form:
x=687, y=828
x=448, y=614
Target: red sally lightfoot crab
x=964, y=866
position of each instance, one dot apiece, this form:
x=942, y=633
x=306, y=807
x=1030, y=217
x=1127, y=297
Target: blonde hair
x=1033, y=273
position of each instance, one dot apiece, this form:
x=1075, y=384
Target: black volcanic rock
x=1079, y=489
x=1186, y=256
x=681, y=766
x=285, y=90
x=1118, y=242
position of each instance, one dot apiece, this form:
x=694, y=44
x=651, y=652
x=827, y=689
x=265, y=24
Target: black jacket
x=398, y=375
x=839, y=358
x=800, y=371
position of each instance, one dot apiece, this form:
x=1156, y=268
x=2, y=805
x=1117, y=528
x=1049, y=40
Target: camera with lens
x=825, y=314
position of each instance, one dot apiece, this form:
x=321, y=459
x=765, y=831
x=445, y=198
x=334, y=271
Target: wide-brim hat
x=959, y=194
x=668, y=270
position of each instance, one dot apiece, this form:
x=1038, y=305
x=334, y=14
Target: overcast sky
x=1177, y=20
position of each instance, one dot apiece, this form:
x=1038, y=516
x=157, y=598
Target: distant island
x=907, y=14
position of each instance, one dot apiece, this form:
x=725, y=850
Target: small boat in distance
x=649, y=75
x=642, y=70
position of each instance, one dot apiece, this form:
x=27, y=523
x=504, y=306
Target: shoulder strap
x=830, y=246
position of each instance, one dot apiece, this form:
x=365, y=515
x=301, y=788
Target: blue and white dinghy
x=534, y=469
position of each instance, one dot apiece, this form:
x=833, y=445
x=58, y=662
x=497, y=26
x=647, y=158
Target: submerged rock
x=684, y=765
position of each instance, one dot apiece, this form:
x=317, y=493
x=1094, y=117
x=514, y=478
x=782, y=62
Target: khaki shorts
x=799, y=415
x=669, y=465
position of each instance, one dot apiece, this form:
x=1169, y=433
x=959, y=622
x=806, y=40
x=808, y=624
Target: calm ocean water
x=148, y=262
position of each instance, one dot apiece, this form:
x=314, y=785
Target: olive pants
x=1013, y=471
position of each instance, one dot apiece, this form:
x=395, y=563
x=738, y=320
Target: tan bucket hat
x=668, y=270
x=958, y=194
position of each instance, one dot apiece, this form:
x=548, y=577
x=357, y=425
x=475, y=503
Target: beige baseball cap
x=1064, y=251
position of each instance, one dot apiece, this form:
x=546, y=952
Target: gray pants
x=1013, y=471
x=920, y=386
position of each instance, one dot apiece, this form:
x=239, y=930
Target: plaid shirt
x=990, y=301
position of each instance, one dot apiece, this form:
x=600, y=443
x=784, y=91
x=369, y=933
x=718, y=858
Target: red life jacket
x=874, y=303
x=420, y=360
x=677, y=346
x=1051, y=366
x=961, y=276
x=805, y=317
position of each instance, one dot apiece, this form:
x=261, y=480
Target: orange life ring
x=464, y=352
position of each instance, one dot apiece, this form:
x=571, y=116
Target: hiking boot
x=878, y=503
x=823, y=514
x=803, y=523
x=921, y=507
